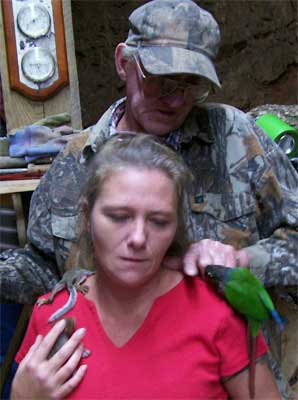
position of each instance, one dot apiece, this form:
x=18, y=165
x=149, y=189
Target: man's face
x=147, y=111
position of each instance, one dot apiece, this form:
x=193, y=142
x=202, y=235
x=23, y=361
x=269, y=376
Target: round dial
x=38, y=65
x=34, y=20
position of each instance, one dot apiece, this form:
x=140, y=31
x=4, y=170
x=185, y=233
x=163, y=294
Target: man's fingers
x=210, y=252
x=190, y=263
x=221, y=254
x=242, y=258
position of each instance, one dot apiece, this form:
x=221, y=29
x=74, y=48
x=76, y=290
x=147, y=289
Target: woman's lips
x=133, y=259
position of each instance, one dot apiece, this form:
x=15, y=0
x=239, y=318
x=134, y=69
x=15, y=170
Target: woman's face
x=133, y=222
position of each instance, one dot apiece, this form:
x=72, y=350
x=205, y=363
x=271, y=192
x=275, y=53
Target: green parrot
x=246, y=295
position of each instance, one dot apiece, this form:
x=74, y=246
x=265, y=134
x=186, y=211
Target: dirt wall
x=257, y=62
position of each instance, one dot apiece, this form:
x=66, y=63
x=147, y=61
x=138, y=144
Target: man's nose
x=174, y=100
x=138, y=235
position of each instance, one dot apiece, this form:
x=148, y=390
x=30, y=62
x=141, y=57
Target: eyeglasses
x=163, y=86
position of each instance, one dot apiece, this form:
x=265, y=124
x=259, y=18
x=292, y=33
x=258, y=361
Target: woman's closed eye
x=159, y=222
x=118, y=217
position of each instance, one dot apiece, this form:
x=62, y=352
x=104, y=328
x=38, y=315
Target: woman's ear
x=121, y=62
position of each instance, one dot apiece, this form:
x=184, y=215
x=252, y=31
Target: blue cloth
x=36, y=141
x=9, y=315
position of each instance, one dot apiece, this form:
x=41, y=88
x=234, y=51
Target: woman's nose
x=137, y=237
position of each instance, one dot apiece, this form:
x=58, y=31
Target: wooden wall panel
x=21, y=111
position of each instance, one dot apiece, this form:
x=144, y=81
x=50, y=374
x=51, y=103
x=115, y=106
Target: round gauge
x=38, y=65
x=34, y=20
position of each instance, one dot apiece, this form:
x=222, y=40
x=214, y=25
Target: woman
x=152, y=332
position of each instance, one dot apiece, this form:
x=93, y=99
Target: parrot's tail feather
x=280, y=321
x=252, y=350
x=280, y=324
x=279, y=347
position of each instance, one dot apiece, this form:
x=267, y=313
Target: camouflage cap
x=175, y=37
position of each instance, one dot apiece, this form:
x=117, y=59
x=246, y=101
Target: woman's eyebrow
x=163, y=213
x=156, y=212
x=114, y=207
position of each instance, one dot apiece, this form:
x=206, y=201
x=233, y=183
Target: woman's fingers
x=66, y=351
x=72, y=383
x=69, y=368
x=43, y=378
x=33, y=348
x=44, y=348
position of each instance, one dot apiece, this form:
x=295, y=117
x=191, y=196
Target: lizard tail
x=67, y=306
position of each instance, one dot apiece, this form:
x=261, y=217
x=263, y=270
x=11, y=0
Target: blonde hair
x=141, y=151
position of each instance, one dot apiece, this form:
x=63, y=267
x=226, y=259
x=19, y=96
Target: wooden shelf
x=17, y=186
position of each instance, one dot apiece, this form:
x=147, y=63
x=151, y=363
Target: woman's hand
x=40, y=378
x=206, y=252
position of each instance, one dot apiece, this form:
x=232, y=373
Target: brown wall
x=257, y=63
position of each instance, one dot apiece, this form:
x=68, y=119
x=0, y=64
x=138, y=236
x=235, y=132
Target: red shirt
x=189, y=340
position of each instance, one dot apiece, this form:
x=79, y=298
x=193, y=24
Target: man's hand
x=206, y=252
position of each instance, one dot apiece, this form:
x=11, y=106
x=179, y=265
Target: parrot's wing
x=244, y=298
x=280, y=321
x=266, y=300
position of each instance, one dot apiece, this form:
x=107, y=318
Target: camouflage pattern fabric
x=175, y=37
x=245, y=195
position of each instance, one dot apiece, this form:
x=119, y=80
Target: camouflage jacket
x=245, y=195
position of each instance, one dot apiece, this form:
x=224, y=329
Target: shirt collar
x=105, y=127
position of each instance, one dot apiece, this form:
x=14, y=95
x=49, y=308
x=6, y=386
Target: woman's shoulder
x=202, y=287
x=200, y=293
x=62, y=303
x=194, y=291
x=44, y=302
x=196, y=304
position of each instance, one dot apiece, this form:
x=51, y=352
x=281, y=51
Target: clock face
x=38, y=65
x=34, y=20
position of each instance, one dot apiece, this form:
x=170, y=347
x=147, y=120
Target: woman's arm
x=265, y=386
x=38, y=377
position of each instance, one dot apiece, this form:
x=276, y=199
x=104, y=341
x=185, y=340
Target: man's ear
x=121, y=62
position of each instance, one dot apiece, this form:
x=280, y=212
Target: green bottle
x=282, y=133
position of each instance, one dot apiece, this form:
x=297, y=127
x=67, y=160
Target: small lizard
x=72, y=280
x=64, y=336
